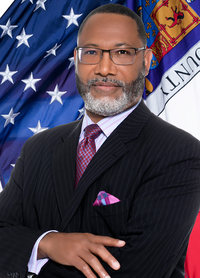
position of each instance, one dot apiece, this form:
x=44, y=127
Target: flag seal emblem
x=174, y=20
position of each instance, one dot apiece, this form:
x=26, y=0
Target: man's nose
x=106, y=66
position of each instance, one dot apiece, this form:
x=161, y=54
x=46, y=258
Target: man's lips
x=106, y=85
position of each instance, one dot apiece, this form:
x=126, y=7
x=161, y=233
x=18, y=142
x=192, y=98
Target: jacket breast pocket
x=110, y=219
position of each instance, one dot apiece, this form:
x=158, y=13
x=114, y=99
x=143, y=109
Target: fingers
x=81, y=251
x=82, y=266
x=98, y=248
x=95, y=247
x=105, y=255
x=89, y=264
x=106, y=241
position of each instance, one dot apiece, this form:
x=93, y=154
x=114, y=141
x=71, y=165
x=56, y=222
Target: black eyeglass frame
x=109, y=50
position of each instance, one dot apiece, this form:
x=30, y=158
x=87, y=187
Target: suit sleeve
x=162, y=215
x=16, y=240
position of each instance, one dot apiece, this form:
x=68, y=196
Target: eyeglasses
x=119, y=56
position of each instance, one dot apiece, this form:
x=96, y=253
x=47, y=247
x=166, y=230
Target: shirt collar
x=108, y=124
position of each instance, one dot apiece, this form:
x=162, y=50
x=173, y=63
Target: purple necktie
x=86, y=150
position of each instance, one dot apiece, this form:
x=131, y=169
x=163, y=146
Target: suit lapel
x=111, y=151
x=63, y=167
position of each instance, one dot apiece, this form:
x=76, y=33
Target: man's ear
x=147, y=60
x=75, y=60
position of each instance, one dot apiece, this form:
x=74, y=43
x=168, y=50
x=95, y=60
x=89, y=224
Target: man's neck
x=94, y=117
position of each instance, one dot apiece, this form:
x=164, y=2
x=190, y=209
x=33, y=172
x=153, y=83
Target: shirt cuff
x=35, y=265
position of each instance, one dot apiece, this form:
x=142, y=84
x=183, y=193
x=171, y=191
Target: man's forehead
x=104, y=18
x=109, y=25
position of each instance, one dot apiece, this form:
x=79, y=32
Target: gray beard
x=106, y=106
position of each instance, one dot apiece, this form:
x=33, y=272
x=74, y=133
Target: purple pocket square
x=104, y=199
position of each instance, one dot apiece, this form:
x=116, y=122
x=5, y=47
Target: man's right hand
x=80, y=250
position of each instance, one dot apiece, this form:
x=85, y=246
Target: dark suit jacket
x=151, y=166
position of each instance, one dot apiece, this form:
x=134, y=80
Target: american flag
x=37, y=80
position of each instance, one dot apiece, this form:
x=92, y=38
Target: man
x=131, y=211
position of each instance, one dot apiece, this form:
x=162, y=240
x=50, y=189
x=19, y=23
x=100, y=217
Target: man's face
x=106, y=88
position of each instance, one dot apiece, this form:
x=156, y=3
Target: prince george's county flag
x=37, y=80
x=173, y=84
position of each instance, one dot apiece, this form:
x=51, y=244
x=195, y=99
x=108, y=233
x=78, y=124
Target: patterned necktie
x=86, y=150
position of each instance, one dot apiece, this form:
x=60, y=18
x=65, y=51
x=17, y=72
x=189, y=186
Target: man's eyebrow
x=91, y=45
x=123, y=44
x=116, y=45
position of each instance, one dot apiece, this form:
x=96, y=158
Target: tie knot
x=92, y=131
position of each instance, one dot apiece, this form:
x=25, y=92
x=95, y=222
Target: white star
x=56, y=95
x=10, y=118
x=13, y=165
x=38, y=128
x=30, y=82
x=72, y=18
x=25, y=0
x=52, y=50
x=7, y=29
x=7, y=75
x=71, y=62
x=23, y=38
x=40, y=4
x=81, y=113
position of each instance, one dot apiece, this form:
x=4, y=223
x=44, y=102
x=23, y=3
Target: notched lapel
x=63, y=168
x=131, y=127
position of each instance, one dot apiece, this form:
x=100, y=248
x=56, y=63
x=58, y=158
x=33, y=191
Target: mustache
x=116, y=82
